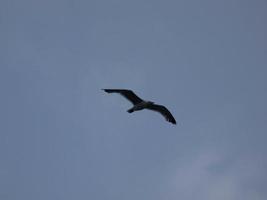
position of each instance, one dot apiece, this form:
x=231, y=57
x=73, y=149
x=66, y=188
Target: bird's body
x=140, y=104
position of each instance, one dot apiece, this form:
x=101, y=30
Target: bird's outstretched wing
x=162, y=110
x=128, y=94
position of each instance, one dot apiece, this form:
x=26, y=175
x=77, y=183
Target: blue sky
x=63, y=138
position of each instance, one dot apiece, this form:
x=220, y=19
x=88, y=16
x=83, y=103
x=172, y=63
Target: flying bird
x=140, y=104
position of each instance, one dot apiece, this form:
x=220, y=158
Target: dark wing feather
x=128, y=94
x=164, y=111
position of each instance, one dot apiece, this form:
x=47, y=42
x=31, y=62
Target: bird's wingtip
x=173, y=122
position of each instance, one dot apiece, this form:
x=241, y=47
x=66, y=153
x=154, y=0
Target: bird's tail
x=130, y=110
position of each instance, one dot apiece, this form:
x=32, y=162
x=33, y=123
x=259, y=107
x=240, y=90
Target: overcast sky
x=61, y=137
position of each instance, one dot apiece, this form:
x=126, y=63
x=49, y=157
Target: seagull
x=140, y=104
